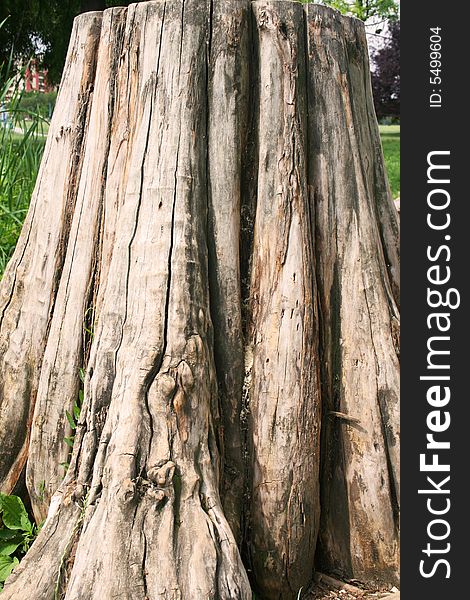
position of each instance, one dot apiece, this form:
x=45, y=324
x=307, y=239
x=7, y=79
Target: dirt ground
x=330, y=594
x=326, y=590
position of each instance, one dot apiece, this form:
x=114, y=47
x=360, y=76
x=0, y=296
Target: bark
x=66, y=348
x=357, y=269
x=212, y=241
x=282, y=353
x=228, y=120
x=30, y=283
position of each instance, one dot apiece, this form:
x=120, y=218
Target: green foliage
x=88, y=323
x=7, y=564
x=42, y=28
x=365, y=9
x=42, y=490
x=21, y=147
x=37, y=27
x=17, y=30
x=17, y=533
x=38, y=103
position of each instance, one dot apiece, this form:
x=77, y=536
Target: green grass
x=20, y=157
x=22, y=139
x=390, y=135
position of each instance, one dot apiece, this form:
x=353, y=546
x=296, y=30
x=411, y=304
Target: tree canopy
x=42, y=28
x=386, y=75
x=366, y=9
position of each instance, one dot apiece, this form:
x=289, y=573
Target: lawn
x=20, y=157
x=390, y=135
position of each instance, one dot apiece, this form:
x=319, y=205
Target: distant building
x=35, y=80
x=29, y=79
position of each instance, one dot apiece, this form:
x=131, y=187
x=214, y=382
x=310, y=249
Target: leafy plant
x=17, y=533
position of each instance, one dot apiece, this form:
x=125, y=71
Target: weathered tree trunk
x=357, y=259
x=30, y=283
x=212, y=241
x=282, y=350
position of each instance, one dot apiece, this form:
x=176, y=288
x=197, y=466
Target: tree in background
x=42, y=28
x=19, y=22
x=386, y=75
x=366, y=9
x=39, y=28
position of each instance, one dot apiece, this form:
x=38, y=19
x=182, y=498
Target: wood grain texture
x=284, y=386
x=30, y=283
x=212, y=241
x=65, y=351
x=360, y=491
x=228, y=110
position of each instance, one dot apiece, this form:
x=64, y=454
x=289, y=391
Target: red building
x=36, y=79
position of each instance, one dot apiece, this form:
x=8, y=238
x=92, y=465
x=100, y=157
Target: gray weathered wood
x=360, y=492
x=144, y=475
x=283, y=386
x=66, y=353
x=30, y=283
x=228, y=120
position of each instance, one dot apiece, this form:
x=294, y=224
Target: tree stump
x=213, y=244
